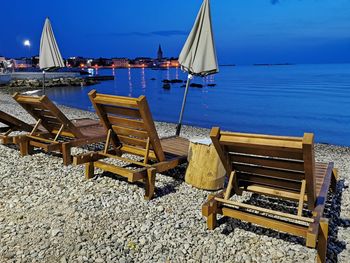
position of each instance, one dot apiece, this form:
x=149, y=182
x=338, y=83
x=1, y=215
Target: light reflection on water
x=286, y=100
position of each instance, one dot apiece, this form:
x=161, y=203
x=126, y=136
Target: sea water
x=282, y=100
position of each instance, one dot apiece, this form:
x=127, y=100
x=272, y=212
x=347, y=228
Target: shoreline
x=50, y=213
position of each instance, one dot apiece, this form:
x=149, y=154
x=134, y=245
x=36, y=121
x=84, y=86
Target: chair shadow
x=177, y=174
x=332, y=212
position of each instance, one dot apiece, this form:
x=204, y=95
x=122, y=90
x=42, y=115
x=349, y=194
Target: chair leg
x=66, y=154
x=212, y=220
x=89, y=170
x=150, y=183
x=25, y=148
x=322, y=241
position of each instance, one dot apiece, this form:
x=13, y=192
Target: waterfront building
x=76, y=61
x=142, y=62
x=120, y=62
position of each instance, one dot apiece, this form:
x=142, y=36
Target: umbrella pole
x=44, y=82
x=178, y=127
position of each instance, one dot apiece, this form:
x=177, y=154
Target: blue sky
x=246, y=31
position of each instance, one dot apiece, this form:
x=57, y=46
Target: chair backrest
x=51, y=117
x=277, y=162
x=14, y=123
x=131, y=123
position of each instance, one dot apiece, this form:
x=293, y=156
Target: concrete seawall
x=39, y=75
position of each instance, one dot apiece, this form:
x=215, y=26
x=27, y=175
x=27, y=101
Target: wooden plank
x=49, y=105
x=12, y=121
x=263, y=136
x=113, y=169
x=317, y=213
x=116, y=101
x=301, y=198
x=266, y=222
x=271, y=152
x=131, y=175
x=138, y=151
x=270, y=191
x=268, y=181
x=215, y=137
x=263, y=210
x=322, y=241
x=269, y=172
x=129, y=132
x=121, y=111
x=169, y=164
x=151, y=128
x=231, y=181
x=309, y=167
x=127, y=160
x=127, y=123
x=103, y=117
x=262, y=143
x=295, y=165
x=132, y=141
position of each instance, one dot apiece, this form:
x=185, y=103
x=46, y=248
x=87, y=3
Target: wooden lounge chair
x=281, y=167
x=12, y=124
x=62, y=133
x=130, y=129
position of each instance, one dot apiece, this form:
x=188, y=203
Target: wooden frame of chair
x=276, y=166
x=130, y=129
x=62, y=134
x=12, y=125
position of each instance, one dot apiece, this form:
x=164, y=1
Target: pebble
x=51, y=213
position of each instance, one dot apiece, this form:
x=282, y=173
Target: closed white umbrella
x=198, y=56
x=50, y=56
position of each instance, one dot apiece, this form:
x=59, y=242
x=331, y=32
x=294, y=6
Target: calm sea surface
x=282, y=100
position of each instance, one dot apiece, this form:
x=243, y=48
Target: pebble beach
x=51, y=213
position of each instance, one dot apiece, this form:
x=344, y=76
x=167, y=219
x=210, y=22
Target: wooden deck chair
x=12, y=124
x=281, y=167
x=63, y=134
x=130, y=129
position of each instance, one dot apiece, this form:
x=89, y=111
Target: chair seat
x=175, y=146
x=85, y=122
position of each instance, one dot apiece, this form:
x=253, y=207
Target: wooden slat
x=127, y=160
x=215, y=137
x=121, y=111
x=261, y=143
x=12, y=121
x=271, y=152
x=138, y=151
x=264, y=210
x=127, y=123
x=132, y=141
x=309, y=166
x=129, y=132
x=263, y=136
x=269, y=172
x=260, y=180
x=151, y=128
x=116, y=101
x=317, y=213
x=268, y=162
x=270, y=191
x=266, y=222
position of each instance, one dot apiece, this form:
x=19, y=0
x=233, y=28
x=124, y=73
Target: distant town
x=82, y=62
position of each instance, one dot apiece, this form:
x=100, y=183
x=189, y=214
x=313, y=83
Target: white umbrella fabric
x=50, y=56
x=198, y=56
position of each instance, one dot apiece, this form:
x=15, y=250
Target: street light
x=26, y=43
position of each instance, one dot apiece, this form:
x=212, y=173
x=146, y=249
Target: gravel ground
x=50, y=213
